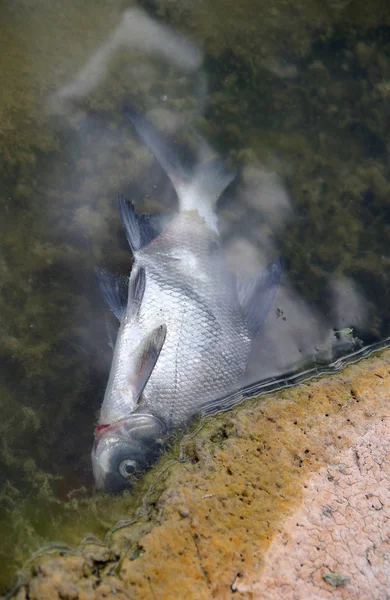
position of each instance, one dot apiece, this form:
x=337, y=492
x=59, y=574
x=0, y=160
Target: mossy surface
x=212, y=517
x=303, y=86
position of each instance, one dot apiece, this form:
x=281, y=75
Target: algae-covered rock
x=276, y=495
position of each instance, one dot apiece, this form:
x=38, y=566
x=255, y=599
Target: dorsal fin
x=114, y=290
x=151, y=225
x=140, y=229
x=257, y=295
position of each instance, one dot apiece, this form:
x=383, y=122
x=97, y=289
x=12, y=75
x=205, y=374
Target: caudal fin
x=197, y=190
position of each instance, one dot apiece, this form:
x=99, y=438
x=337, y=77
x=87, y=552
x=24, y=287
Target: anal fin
x=140, y=229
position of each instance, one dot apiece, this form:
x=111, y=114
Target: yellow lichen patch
x=248, y=473
x=218, y=516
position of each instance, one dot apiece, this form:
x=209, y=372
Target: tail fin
x=197, y=191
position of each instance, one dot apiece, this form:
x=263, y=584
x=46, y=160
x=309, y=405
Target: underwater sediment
x=286, y=494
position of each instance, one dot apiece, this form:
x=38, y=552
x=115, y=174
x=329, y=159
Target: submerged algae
x=57, y=185
x=40, y=46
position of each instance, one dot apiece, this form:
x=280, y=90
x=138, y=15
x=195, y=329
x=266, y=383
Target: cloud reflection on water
x=296, y=334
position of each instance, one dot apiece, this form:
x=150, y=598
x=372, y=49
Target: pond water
x=295, y=96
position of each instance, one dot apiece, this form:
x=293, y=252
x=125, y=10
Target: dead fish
x=186, y=322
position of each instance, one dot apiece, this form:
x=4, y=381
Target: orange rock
x=286, y=496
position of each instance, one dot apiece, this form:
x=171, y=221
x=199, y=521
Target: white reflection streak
x=349, y=307
x=136, y=31
x=296, y=333
x=263, y=191
x=292, y=334
x=293, y=331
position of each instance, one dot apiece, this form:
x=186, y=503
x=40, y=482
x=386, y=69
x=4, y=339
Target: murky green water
x=295, y=95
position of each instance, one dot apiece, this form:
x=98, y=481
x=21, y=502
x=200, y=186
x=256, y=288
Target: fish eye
x=127, y=468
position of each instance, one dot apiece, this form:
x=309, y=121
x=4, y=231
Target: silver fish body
x=189, y=290
x=186, y=329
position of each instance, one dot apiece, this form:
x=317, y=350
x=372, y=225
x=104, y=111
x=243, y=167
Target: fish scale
x=195, y=363
x=186, y=326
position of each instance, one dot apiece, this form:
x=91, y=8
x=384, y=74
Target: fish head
x=124, y=449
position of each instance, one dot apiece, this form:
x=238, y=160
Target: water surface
x=295, y=97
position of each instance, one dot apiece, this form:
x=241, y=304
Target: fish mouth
x=135, y=426
x=138, y=438
x=143, y=431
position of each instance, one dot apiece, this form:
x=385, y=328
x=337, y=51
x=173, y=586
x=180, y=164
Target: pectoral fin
x=147, y=356
x=114, y=290
x=257, y=296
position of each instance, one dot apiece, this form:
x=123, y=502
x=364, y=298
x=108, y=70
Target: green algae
x=336, y=579
x=54, y=348
x=41, y=523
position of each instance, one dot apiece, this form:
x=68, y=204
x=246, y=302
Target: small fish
x=186, y=322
